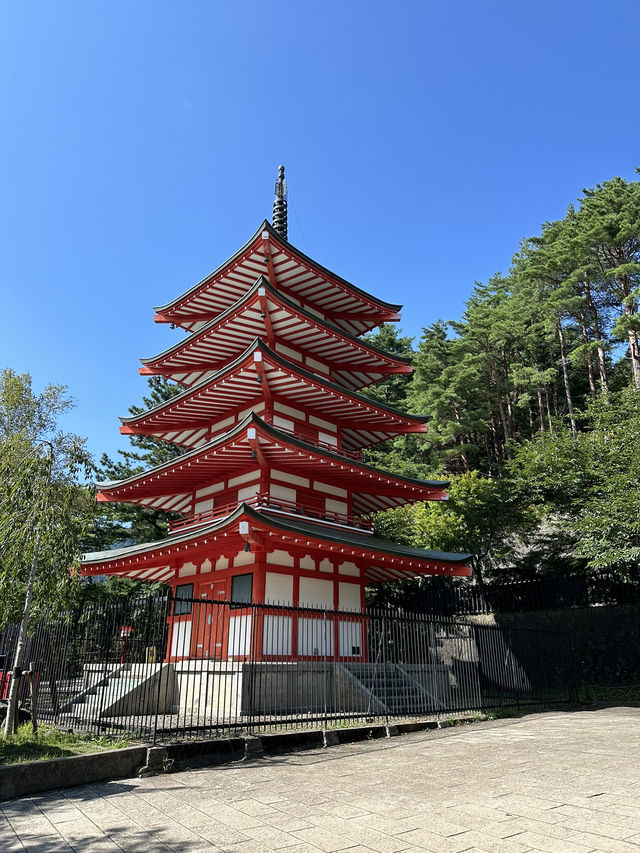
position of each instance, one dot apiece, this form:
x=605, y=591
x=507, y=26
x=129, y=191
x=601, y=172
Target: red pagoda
x=274, y=501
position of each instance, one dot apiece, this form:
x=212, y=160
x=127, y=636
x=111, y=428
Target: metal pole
x=33, y=687
x=324, y=621
x=384, y=666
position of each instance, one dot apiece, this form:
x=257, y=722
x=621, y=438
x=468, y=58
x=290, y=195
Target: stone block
x=330, y=737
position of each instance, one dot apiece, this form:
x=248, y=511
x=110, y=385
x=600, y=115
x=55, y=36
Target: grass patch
x=52, y=743
x=628, y=693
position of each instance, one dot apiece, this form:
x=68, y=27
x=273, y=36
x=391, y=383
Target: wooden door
x=212, y=622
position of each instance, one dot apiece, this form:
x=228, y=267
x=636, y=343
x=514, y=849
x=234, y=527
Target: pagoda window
x=283, y=423
x=282, y=492
x=340, y=507
x=287, y=410
x=327, y=438
x=203, y=506
x=241, y=589
x=325, y=425
x=183, y=604
x=248, y=492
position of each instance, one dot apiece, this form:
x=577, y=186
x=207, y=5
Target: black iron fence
x=542, y=593
x=162, y=669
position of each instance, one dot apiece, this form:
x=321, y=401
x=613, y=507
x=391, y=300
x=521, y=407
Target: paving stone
x=377, y=841
x=489, y=844
x=288, y=824
x=553, y=783
x=324, y=840
x=546, y=844
x=602, y=843
x=427, y=840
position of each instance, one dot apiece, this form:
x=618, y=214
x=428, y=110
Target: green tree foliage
x=44, y=508
x=484, y=516
x=609, y=236
x=117, y=523
x=528, y=394
x=591, y=483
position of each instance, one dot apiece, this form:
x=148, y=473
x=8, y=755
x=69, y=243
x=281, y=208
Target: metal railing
x=263, y=501
x=449, y=597
x=310, y=436
x=163, y=670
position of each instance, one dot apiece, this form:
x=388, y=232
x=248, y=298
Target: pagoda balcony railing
x=311, y=437
x=275, y=505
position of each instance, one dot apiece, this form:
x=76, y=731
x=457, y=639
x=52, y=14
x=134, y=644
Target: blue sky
x=140, y=140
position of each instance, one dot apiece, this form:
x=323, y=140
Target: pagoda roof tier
x=263, y=312
x=289, y=270
x=382, y=560
x=259, y=374
x=253, y=445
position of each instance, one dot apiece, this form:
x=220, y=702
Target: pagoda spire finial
x=279, y=220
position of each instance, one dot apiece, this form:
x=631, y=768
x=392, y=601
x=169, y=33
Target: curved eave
x=162, y=309
x=278, y=436
x=345, y=542
x=341, y=536
x=385, y=306
x=305, y=259
x=291, y=366
x=277, y=296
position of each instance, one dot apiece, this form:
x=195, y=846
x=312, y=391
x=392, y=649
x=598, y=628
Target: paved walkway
x=558, y=782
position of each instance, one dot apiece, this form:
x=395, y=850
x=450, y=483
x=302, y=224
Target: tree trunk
x=602, y=364
x=463, y=455
x=585, y=338
x=549, y=418
x=565, y=376
x=510, y=402
x=539, y=394
x=503, y=417
x=634, y=352
x=14, y=687
x=494, y=435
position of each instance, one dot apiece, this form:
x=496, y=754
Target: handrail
x=308, y=435
x=325, y=515
x=263, y=501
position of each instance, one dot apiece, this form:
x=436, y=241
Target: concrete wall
x=605, y=640
x=207, y=686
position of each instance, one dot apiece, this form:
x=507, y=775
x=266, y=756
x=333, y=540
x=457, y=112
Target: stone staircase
x=124, y=690
x=393, y=689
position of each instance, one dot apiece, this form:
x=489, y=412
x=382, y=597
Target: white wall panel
x=276, y=635
x=316, y=592
x=181, y=640
x=239, y=635
x=315, y=636
x=349, y=596
x=278, y=588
